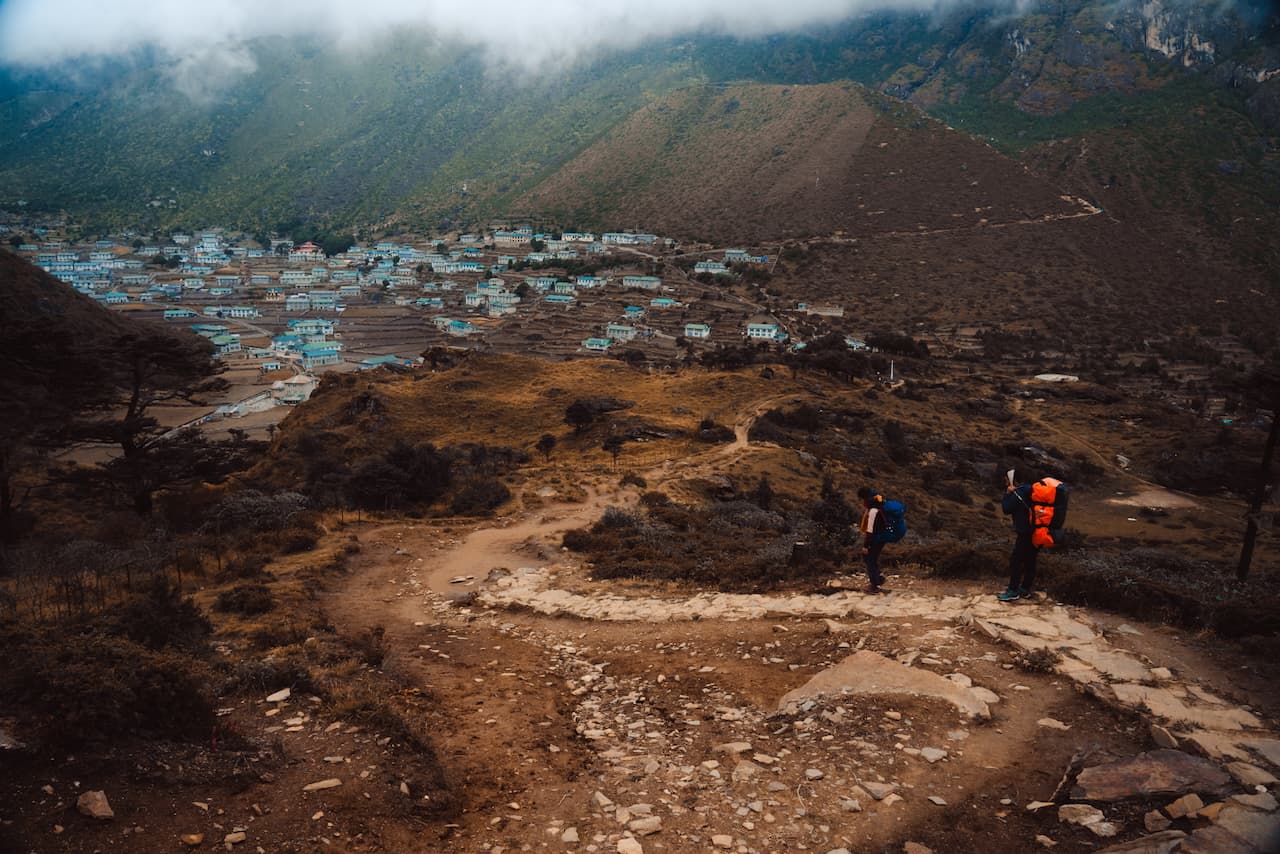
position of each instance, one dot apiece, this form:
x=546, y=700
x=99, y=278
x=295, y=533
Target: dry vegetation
x=805, y=160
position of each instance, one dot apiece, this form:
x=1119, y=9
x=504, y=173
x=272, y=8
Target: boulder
x=1159, y=772
x=95, y=805
x=869, y=673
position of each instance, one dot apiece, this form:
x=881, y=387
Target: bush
x=479, y=496
x=288, y=670
x=248, y=599
x=246, y=566
x=81, y=690
x=299, y=540
x=371, y=646
x=630, y=479
x=616, y=518
x=1042, y=660
x=161, y=618
x=957, y=560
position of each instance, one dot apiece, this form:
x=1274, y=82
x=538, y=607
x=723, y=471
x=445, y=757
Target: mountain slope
x=749, y=163
x=312, y=134
x=422, y=135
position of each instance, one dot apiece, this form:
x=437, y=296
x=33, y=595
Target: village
x=282, y=314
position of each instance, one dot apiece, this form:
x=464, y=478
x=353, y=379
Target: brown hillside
x=48, y=333
x=748, y=163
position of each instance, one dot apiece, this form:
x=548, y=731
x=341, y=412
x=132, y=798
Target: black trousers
x=872, y=560
x=1022, y=563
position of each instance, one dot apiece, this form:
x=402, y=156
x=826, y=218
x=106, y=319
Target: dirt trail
x=604, y=714
x=513, y=544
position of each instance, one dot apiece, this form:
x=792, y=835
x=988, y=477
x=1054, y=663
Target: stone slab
x=1157, y=843
x=1259, y=829
x=1158, y=772
x=869, y=673
x=1162, y=703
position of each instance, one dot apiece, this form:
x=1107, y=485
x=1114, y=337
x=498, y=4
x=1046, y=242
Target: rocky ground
x=568, y=714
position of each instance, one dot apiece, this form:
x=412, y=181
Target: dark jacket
x=1018, y=505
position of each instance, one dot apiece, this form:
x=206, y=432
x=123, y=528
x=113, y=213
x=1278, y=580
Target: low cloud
x=206, y=44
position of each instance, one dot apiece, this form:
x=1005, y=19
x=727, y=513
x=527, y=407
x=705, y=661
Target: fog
x=204, y=45
x=213, y=38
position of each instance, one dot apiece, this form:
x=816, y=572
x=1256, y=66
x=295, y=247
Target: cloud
x=206, y=42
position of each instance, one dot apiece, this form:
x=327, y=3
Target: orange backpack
x=1048, y=511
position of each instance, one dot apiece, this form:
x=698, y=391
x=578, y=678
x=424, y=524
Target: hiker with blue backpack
x=883, y=522
x=1039, y=511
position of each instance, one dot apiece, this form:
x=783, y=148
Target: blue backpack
x=895, y=521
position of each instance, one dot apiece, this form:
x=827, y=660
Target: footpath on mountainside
x=621, y=716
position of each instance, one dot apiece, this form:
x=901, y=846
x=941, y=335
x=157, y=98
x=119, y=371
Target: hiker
x=873, y=539
x=1039, y=512
x=1022, y=562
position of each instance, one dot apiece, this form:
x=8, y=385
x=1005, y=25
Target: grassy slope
x=753, y=162
x=312, y=134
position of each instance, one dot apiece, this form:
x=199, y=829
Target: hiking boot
x=873, y=589
x=1009, y=595
x=1026, y=594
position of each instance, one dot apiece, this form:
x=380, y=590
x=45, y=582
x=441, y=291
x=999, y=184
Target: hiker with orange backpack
x=1039, y=511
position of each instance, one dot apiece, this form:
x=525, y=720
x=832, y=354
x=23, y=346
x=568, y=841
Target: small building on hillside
x=697, y=330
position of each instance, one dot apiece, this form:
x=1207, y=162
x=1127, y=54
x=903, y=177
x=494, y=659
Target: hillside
x=421, y=134
x=313, y=135
x=752, y=163
x=48, y=337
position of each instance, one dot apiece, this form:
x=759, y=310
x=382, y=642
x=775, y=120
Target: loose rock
x=1090, y=818
x=1184, y=806
x=331, y=783
x=95, y=805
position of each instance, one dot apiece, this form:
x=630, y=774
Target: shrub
x=245, y=566
x=299, y=540
x=630, y=479
x=616, y=518
x=160, y=618
x=287, y=670
x=479, y=496
x=1043, y=660
x=246, y=599
x=371, y=646
x=82, y=690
